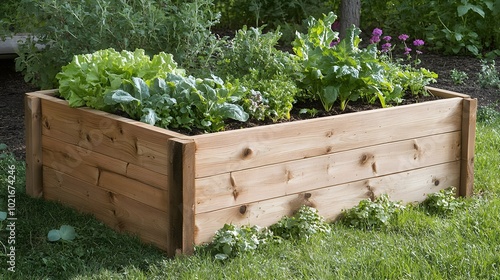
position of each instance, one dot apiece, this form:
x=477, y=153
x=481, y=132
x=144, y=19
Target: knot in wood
x=365, y=158
x=243, y=209
x=247, y=152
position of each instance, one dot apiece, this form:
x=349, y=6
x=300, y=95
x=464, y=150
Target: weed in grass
x=443, y=202
x=302, y=226
x=487, y=114
x=370, y=214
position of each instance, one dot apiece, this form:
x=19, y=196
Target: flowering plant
x=387, y=47
x=410, y=77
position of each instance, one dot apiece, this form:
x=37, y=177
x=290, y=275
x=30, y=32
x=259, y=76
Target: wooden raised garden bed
x=175, y=190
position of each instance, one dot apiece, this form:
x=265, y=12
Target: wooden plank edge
x=32, y=118
x=468, y=147
x=182, y=196
x=445, y=93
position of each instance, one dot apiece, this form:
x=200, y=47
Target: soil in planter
x=295, y=115
x=13, y=87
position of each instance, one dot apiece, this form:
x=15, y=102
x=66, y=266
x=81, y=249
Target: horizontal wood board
x=250, y=185
x=408, y=186
x=87, y=164
x=124, y=139
x=242, y=149
x=114, y=209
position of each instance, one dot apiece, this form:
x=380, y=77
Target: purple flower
x=418, y=52
x=386, y=47
x=336, y=25
x=334, y=42
x=403, y=37
x=374, y=39
x=387, y=38
x=407, y=51
x=418, y=42
x=377, y=32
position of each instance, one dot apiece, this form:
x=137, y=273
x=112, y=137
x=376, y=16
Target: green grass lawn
x=465, y=245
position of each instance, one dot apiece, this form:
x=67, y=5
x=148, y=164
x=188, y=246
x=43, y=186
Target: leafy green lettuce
x=89, y=77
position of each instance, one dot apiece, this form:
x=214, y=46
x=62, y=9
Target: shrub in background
x=452, y=27
x=62, y=29
x=267, y=74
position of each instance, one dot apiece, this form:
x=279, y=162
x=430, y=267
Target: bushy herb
x=302, y=226
x=489, y=76
x=231, y=241
x=443, y=202
x=487, y=114
x=458, y=77
x=370, y=214
x=267, y=74
x=60, y=29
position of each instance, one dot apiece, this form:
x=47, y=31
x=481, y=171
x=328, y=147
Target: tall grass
x=465, y=245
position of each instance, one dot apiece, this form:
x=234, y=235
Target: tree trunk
x=350, y=13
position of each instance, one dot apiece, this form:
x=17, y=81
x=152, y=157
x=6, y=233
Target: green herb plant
x=488, y=114
x=343, y=72
x=60, y=29
x=231, y=241
x=267, y=75
x=443, y=202
x=301, y=226
x=368, y=214
x=458, y=77
x=489, y=76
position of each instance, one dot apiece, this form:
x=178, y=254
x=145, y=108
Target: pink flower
x=334, y=42
x=418, y=52
x=403, y=37
x=374, y=39
x=377, y=32
x=386, y=47
x=387, y=38
x=418, y=42
x=407, y=51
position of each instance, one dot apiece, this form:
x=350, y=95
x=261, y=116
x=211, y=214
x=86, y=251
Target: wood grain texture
x=115, y=210
x=242, y=149
x=34, y=157
x=135, y=190
x=124, y=139
x=250, y=185
x=443, y=93
x=466, y=187
x=407, y=186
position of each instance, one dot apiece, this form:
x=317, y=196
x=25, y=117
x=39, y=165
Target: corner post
x=33, y=125
x=469, y=108
x=183, y=195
